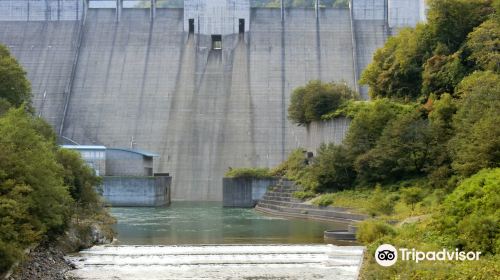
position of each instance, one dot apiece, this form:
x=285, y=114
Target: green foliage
x=324, y=200
x=349, y=109
x=412, y=196
x=316, y=99
x=442, y=73
x=401, y=152
x=41, y=186
x=9, y=254
x=332, y=169
x=14, y=86
x=28, y=167
x=368, y=123
x=434, y=57
x=471, y=214
x=381, y=203
x=290, y=168
x=476, y=144
x=396, y=69
x=484, y=45
x=79, y=178
x=303, y=195
x=33, y=197
x=245, y=172
x=452, y=20
x=371, y=230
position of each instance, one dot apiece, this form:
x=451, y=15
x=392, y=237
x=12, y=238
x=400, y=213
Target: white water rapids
x=300, y=262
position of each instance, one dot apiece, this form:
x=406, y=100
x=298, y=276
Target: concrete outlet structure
x=244, y=192
x=137, y=191
x=207, y=86
x=127, y=176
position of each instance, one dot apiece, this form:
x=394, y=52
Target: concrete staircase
x=279, y=200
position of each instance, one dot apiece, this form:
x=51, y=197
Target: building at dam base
x=134, y=77
x=128, y=177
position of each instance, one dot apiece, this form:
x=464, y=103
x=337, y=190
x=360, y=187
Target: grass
x=244, y=172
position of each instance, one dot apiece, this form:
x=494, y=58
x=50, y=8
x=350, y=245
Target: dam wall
x=46, y=50
x=148, y=84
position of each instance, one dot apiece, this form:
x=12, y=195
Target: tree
x=476, y=144
x=311, y=102
x=484, y=45
x=80, y=179
x=412, y=196
x=402, y=151
x=15, y=88
x=332, y=169
x=396, y=68
x=442, y=73
x=452, y=20
x=368, y=124
x=296, y=109
x=441, y=124
x=33, y=198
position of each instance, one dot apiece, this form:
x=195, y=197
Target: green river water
x=210, y=223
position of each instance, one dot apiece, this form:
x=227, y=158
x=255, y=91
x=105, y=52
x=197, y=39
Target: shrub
x=382, y=203
x=248, y=173
x=311, y=102
x=292, y=166
x=412, y=196
x=471, y=214
x=371, y=230
x=304, y=195
x=333, y=169
x=324, y=200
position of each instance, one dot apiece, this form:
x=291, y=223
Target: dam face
x=147, y=83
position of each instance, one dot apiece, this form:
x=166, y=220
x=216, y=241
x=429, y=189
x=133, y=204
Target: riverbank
x=44, y=262
x=47, y=260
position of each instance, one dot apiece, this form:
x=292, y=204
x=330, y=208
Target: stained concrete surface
x=148, y=85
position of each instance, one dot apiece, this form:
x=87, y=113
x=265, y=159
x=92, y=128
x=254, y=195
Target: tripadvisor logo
x=387, y=255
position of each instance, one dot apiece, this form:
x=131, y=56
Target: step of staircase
x=279, y=200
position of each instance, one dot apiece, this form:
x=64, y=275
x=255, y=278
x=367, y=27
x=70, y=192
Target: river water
x=203, y=240
x=210, y=223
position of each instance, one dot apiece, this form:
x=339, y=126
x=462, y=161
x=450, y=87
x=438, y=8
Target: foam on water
x=219, y=262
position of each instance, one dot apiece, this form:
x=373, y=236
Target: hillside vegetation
x=422, y=158
x=44, y=190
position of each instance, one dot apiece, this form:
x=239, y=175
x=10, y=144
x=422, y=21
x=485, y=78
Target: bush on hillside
x=471, y=214
x=371, y=230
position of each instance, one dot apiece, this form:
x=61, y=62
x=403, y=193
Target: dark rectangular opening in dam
x=191, y=26
x=242, y=26
x=216, y=42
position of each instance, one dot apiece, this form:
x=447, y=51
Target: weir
x=220, y=262
x=145, y=82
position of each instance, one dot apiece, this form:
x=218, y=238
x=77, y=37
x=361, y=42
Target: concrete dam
x=161, y=80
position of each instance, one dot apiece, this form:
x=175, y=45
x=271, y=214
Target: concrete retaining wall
x=244, y=192
x=137, y=191
x=332, y=131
